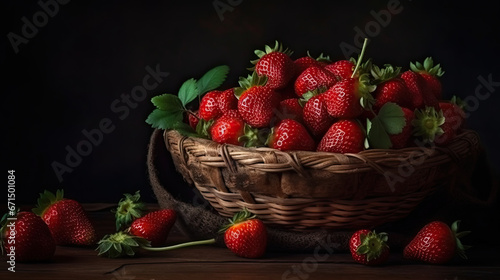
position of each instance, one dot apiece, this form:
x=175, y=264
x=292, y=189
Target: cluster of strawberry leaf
x=171, y=109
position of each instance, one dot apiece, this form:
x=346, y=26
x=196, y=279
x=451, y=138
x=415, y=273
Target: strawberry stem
x=181, y=245
x=360, y=58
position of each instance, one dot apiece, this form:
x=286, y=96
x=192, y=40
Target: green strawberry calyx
x=427, y=67
x=248, y=82
x=321, y=58
x=47, y=199
x=384, y=74
x=130, y=207
x=124, y=244
x=372, y=245
x=427, y=123
x=121, y=244
x=253, y=137
x=278, y=47
x=239, y=217
x=460, y=249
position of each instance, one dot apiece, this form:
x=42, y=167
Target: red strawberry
x=400, y=140
x=431, y=74
x=305, y=62
x=154, y=226
x=193, y=119
x=316, y=117
x=290, y=109
x=276, y=64
x=227, y=101
x=349, y=97
x=344, y=136
x=66, y=218
x=368, y=247
x=209, y=105
x=245, y=235
x=313, y=78
x=290, y=135
x=257, y=103
x=341, y=69
x=390, y=87
x=228, y=129
x=420, y=94
x=436, y=243
x=453, y=120
x=28, y=238
x=231, y=129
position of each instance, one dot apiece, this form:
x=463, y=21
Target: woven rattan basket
x=310, y=190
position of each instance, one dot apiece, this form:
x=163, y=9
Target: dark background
x=66, y=78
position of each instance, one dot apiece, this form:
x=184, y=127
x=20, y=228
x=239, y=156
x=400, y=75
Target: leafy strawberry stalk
x=171, y=109
x=130, y=207
x=125, y=244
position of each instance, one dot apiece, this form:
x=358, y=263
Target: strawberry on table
x=290, y=135
x=31, y=238
x=154, y=226
x=276, y=64
x=436, y=243
x=368, y=247
x=130, y=207
x=344, y=136
x=245, y=235
x=67, y=220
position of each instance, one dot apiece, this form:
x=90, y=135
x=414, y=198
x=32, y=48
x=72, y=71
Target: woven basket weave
x=308, y=190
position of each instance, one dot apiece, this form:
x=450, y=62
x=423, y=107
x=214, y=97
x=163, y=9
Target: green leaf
x=164, y=119
x=377, y=135
x=188, y=91
x=212, y=79
x=167, y=102
x=392, y=118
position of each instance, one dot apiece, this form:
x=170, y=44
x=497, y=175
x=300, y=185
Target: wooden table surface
x=212, y=262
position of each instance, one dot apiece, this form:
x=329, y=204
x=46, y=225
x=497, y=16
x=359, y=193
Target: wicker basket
x=308, y=190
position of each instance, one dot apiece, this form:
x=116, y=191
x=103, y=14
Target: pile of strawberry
x=34, y=235
x=342, y=106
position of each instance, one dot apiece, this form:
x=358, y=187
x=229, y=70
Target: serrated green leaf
x=188, y=91
x=164, y=119
x=392, y=118
x=377, y=135
x=212, y=79
x=167, y=102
